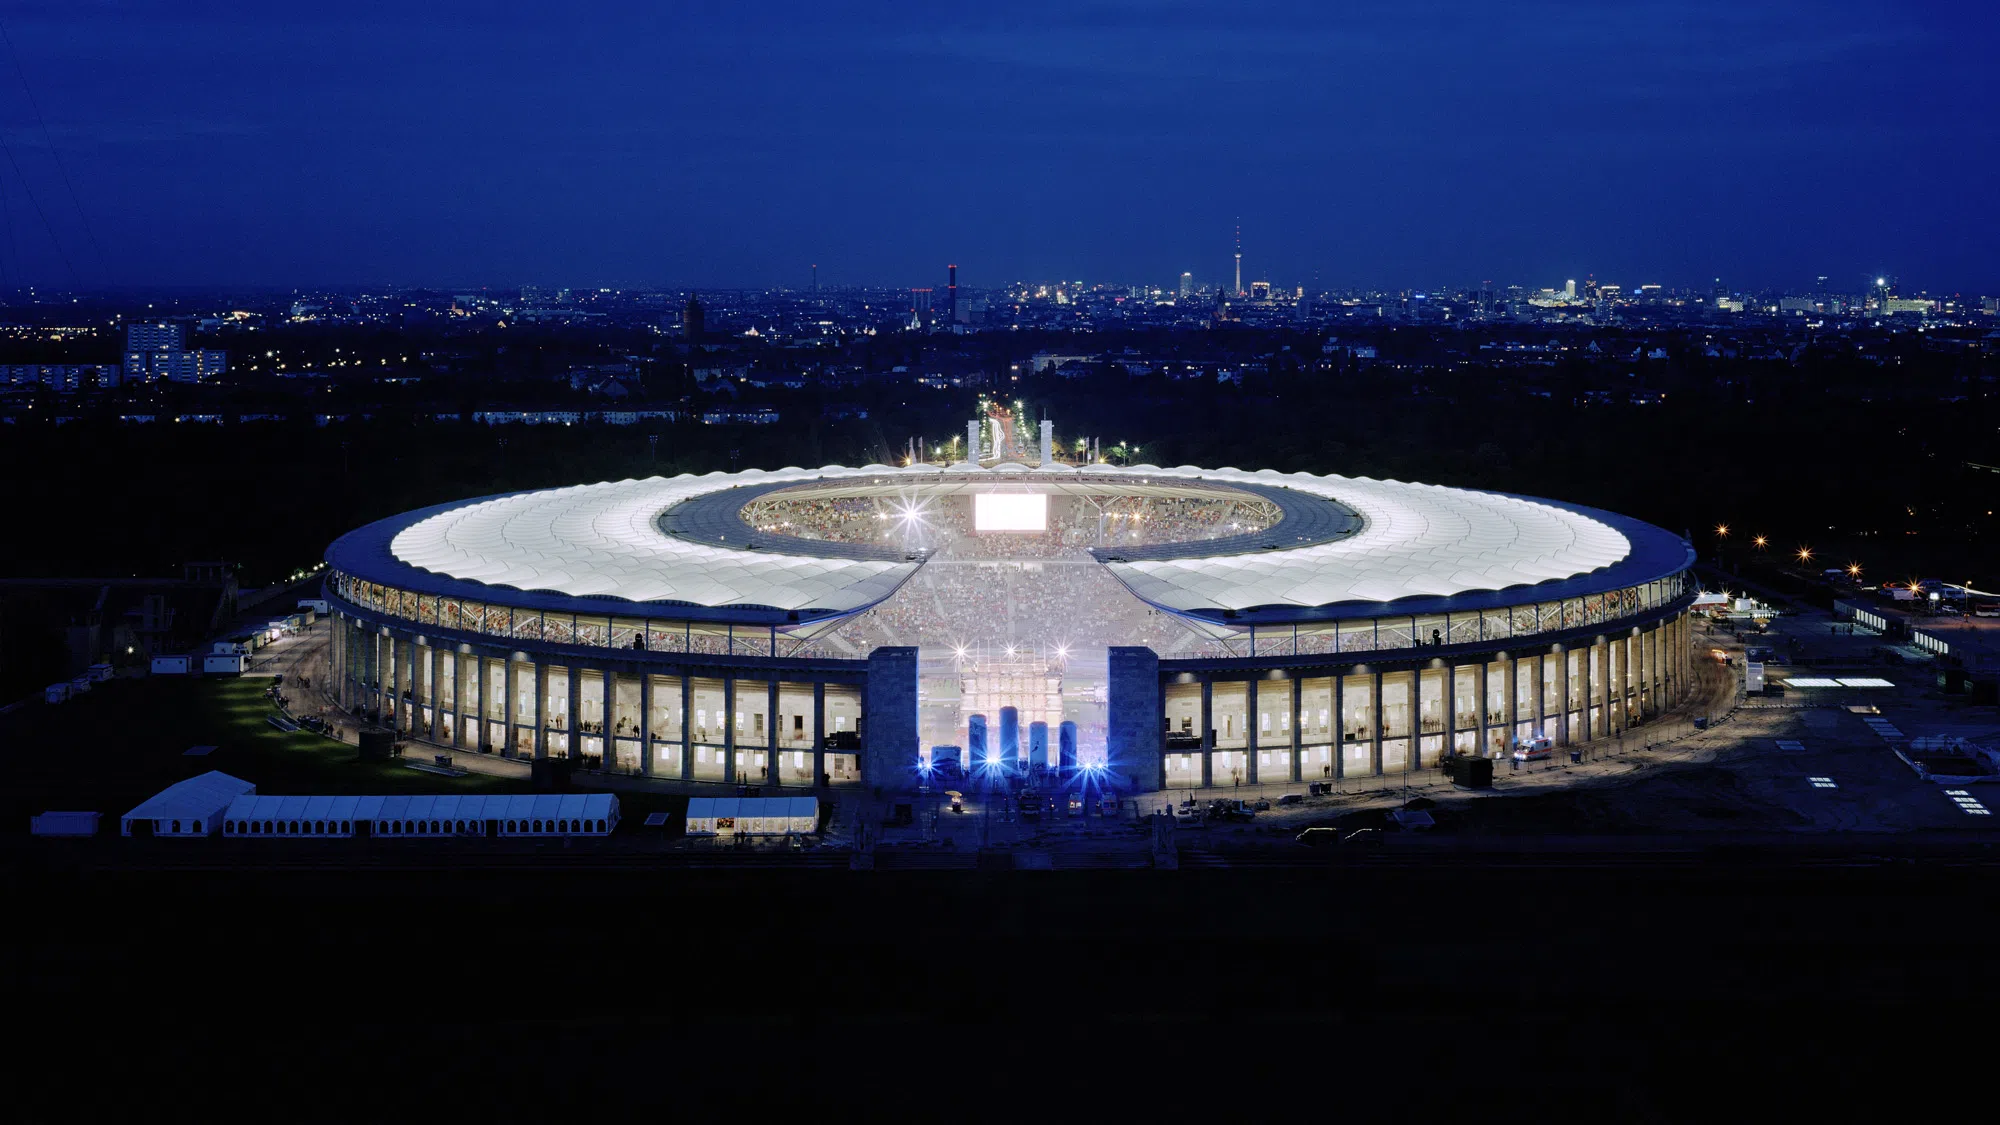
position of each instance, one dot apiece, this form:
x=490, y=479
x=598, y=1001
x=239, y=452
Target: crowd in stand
x=1034, y=590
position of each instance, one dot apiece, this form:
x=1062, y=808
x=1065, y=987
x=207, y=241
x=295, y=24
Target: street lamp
x=1759, y=542
x=1722, y=531
x=1805, y=554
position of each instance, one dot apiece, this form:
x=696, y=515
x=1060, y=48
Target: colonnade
x=1225, y=727
x=792, y=725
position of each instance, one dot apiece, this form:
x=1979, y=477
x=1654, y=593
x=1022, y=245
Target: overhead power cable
x=54, y=153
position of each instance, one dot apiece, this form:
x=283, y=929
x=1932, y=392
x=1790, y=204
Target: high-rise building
x=951, y=296
x=1238, y=291
x=1569, y=290
x=156, y=352
x=155, y=338
x=1260, y=290
x=694, y=320
x=1187, y=285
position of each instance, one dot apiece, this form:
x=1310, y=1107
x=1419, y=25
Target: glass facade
x=1362, y=635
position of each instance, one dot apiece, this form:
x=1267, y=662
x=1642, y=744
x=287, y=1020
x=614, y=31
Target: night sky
x=734, y=144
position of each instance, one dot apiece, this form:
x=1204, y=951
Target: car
x=1534, y=749
x=1076, y=804
x=1291, y=799
x=1318, y=837
x=1363, y=837
x=1187, y=817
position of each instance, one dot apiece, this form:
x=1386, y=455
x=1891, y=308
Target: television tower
x=1239, y=256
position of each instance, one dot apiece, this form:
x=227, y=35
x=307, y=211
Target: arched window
x=434, y=826
x=177, y=826
x=409, y=827
x=600, y=827
x=538, y=826
x=319, y=827
x=346, y=826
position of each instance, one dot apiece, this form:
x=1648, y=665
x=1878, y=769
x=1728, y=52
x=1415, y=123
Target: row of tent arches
x=533, y=827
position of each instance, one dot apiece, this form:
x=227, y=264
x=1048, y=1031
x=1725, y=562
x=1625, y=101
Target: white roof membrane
x=604, y=539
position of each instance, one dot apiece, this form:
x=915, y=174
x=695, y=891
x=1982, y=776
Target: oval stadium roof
x=605, y=541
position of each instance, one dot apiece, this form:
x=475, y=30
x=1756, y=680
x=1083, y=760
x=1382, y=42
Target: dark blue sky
x=1416, y=143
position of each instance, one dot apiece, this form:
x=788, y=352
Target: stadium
x=880, y=626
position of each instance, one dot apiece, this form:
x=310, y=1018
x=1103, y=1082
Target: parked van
x=1534, y=749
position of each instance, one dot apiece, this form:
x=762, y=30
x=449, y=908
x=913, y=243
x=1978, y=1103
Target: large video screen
x=1010, y=511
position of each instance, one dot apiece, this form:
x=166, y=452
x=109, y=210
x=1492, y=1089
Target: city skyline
x=155, y=146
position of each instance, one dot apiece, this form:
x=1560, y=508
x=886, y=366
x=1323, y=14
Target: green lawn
x=125, y=741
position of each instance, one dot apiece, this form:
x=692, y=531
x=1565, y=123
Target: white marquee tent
x=523, y=814
x=187, y=808
x=752, y=816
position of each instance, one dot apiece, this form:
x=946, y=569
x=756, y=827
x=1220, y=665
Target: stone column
x=510, y=705
x=1607, y=725
x=1253, y=740
x=572, y=723
x=1541, y=722
x=819, y=732
x=889, y=716
x=1513, y=678
x=729, y=728
x=541, y=709
x=687, y=728
x=436, y=692
x=1685, y=645
x=1644, y=667
x=1614, y=685
x=609, y=761
x=1634, y=714
x=1297, y=686
x=416, y=715
x=392, y=685
x=772, y=773
x=458, y=699
x=1207, y=733
x=646, y=724
x=1339, y=725
x=1583, y=671
x=1562, y=689
x=1375, y=728
x=1484, y=749
x=1658, y=666
x=1134, y=745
